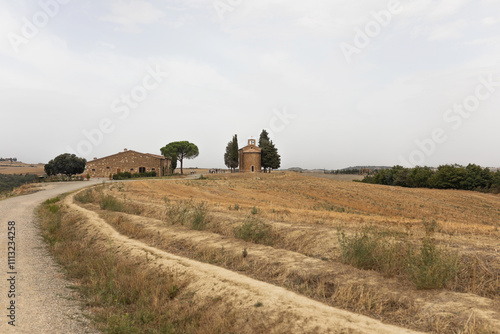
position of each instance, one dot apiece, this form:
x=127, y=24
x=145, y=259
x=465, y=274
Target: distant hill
x=368, y=167
x=7, y=167
x=296, y=169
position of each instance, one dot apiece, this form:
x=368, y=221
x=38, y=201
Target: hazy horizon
x=336, y=83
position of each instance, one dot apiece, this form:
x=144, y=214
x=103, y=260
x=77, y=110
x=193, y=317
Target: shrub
x=256, y=231
x=109, y=202
x=199, y=217
x=427, y=266
x=430, y=268
x=177, y=213
x=86, y=196
x=122, y=176
x=52, y=200
x=360, y=250
x=9, y=182
x=128, y=175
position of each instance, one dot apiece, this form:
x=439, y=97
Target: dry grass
x=126, y=296
x=303, y=215
x=25, y=189
x=21, y=168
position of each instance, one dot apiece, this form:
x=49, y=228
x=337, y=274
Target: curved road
x=44, y=303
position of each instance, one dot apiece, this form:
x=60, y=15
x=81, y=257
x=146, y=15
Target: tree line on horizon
x=470, y=177
x=270, y=159
x=9, y=159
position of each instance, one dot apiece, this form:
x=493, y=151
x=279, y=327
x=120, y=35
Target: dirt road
x=38, y=296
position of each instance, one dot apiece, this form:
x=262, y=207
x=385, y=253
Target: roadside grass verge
x=124, y=296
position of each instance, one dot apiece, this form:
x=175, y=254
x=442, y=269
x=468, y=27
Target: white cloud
x=278, y=53
x=451, y=30
x=106, y=45
x=131, y=14
x=488, y=21
x=445, y=8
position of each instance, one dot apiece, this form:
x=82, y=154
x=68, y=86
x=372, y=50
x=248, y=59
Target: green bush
x=109, y=202
x=360, y=250
x=52, y=200
x=86, y=196
x=199, y=217
x=373, y=250
x=122, y=176
x=128, y=175
x=256, y=231
x=177, y=213
x=426, y=266
x=431, y=267
x=9, y=182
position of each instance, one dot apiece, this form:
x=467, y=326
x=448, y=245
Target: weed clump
x=86, y=196
x=109, y=202
x=199, y=217
x=372, y=250
x=427, y=266
x=430, y=267
x=256, y=231
x=187, y=212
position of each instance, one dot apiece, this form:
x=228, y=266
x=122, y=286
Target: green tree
x=170, y=153
x=476, y=178
x=180, y=150
x=495, y=181
x=448, y=177
x=270, y=159
x=67, y=164
x=173, y=164
x=419, y=177
x=269, y=156
x=231, y=157
x=264, y=138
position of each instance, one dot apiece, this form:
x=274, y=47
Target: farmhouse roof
x=127, y=151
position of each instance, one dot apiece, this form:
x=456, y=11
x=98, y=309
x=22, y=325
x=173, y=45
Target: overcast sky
x=337, y=83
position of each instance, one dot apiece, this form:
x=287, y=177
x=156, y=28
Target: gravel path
x=43, y=301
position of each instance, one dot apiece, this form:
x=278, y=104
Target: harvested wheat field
x=288, y=253
x=21, y=168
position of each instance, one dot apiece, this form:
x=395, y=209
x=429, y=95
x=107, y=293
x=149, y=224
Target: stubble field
x=424, y=260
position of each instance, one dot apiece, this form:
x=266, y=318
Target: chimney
x=95, y=158
x=125, y=150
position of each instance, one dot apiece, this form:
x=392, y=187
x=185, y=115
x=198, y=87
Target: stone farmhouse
x=128, y=161
x=250, y=158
